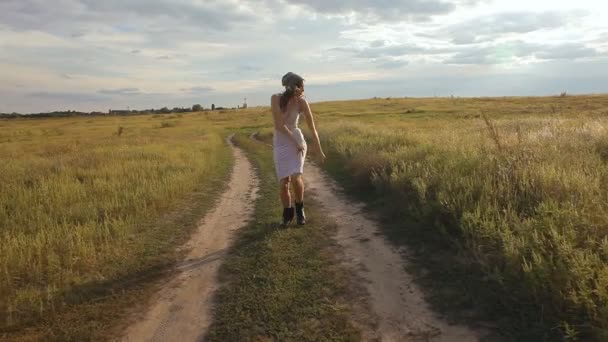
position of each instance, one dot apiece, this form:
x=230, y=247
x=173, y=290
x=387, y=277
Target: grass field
x=91, y=205
x=503, y=200
x=516, y=188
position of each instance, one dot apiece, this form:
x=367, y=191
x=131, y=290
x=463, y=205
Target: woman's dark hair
x=290, y=81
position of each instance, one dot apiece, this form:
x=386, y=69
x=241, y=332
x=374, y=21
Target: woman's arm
x=279, y=124
x=311, y=124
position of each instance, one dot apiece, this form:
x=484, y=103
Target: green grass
x=508, y=215
x=281, y=284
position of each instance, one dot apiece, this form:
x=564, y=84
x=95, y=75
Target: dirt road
x=398, y=305
x=182, y=309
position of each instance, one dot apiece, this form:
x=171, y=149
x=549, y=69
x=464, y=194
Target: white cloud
x=370, y=10
x=513, y=51
x=11, y=39
x=487, y=28
x=121, y=91
x=93, y=55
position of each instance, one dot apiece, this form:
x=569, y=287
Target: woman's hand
x=321, y=157
x=301, y=149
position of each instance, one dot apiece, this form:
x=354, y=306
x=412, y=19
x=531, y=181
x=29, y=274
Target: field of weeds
x=502, y=201
x=517, y=187
x=88, y=205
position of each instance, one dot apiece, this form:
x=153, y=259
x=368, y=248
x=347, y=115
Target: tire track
x=401, y=312
x=182, y=310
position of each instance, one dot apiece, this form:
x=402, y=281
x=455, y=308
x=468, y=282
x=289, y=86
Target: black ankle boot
x=288, y=214
x=300, y=213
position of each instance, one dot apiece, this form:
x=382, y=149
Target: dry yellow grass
x=80, y=199
x=520, y=184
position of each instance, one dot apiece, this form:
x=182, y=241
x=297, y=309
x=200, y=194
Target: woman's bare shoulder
x=275, y=97
x=303, y=100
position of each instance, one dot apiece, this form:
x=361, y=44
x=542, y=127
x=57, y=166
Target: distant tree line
x=67, y=113
x=117, y=112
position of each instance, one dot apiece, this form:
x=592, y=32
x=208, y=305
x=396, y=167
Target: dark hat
x=291, y=80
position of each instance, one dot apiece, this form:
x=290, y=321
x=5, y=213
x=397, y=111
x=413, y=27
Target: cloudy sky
x=96, y=55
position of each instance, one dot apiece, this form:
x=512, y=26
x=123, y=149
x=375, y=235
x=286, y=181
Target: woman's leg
x=298, y=188
x=285, y=194
x=288, y=210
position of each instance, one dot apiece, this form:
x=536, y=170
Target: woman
x=289, y=146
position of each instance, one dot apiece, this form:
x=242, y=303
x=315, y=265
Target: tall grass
x=78, y=202
x=525, y=196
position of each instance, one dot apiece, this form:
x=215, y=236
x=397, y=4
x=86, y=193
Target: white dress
x=287, y=160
